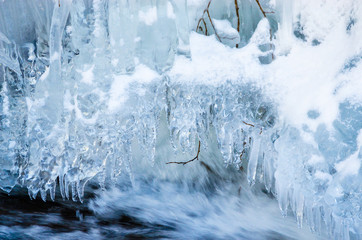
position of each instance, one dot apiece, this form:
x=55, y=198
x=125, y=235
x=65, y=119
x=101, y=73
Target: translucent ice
x=99, y=89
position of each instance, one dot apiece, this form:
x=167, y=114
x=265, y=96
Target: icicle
x=122, y=33
x=43, y=194
x=80, y=189
x=328, y=219
x=299, y=208
x=187, y=140
x=283, y=198
x=182, y=24
x=202, y=126
x=337, y=229
x=66, y=187
x=74, y=191
x=238, y=147
x=34, y=193
x=268, y=169
x=345, y=230
x=128, y=160
x=61, y=185
x=225, y=142
x=317, y=218
x=253, y=159
x=30, y=194
x=309, y=215
x=152, y=143
x=52, y=190
x=54, y=82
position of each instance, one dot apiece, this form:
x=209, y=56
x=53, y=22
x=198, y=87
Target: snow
x=118, y=92
x=350, y=166
x=226, y=32
x=213, y=63
x=170, y=12
x=149, y=16
x=87, y=75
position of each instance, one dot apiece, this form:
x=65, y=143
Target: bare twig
x=237, y=14
x=59, y=3
x=212, y=24
x=198, y=25
x=261, y=9
x=249, y=124
x=195, y=158
x=241, y=155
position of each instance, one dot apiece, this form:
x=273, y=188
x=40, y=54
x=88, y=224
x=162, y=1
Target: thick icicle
x=45, y=114
x=254, y=158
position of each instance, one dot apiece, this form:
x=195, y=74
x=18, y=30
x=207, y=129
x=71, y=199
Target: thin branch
x=195, y=158
x=59, y=3
x=249, y=124
x=237, y=14
x=198, y=25
x=241, y=155
x=261, y=9
x=212, y=24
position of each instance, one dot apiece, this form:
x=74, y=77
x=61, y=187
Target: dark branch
x=212, y=24
x=195, y=158
x=199, y=27
x=249, y=124
x=261, y=9
x=237, y=14
x=241, y=155
x=202, y=19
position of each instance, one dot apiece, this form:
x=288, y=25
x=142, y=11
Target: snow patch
x=118, y=92
x=148, y=17
x=350, y=166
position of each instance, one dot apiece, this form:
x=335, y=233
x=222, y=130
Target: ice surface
x=87, y=90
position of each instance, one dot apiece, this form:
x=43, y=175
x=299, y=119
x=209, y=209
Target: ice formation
x=85, y=84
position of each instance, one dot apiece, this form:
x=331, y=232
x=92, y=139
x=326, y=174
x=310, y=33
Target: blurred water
x=219, y=209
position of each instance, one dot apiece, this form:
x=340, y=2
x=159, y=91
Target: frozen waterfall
x=110, y=91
